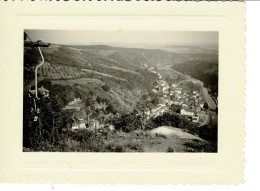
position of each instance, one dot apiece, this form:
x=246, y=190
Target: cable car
x=35, y=118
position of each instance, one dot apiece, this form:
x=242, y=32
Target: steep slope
x=88, y=71
x=206, y=71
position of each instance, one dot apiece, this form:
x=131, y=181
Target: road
x=209, y=100
x=206, y=121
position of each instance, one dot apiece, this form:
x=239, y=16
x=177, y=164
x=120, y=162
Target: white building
x=155, y=91
x=195, y=119
x=78, y=127
x=178, y=91
x=186, y=112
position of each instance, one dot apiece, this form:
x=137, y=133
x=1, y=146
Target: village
x=190, y=102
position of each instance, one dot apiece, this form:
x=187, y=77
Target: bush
x=112, y=147
x=89, y=141
x=127, y=123
x=105, y=88
x=150, y=125
x=201, y=147
x=160, y=135
x=170, y=150
x=209, y=134
x=135, y=146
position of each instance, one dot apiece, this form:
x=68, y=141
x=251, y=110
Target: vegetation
x=105, y=88
x=206, y=71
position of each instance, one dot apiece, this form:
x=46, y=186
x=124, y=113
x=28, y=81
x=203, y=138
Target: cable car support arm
x=36, y=88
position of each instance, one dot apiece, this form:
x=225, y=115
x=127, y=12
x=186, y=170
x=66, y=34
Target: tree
x=127, y=122
x=141, y=107
x=144, y=96
x=110, y=109
x=105, y=88
x=172, y=97
x=99, y=99
x=91, y=93
x=206, y=106
x=175, y=108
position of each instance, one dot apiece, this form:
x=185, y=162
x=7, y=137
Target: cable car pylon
x=34, y=92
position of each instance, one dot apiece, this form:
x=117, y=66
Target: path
x=169, y=131
x=209, y=100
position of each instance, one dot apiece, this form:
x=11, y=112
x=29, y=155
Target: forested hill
x=204, y=70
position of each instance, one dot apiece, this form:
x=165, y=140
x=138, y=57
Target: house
x=161, y=82
x=155, y=91
x=184, y=105
x=165, y=88
x=178, y=91
x=171, y=92
x=195, y=118
x=110, y=127
x=176, y=103
x=99, y=106
x=154, y=110
x=79, y=127
x=166, y=92
x=170, y=102
x=147, y=112
x=94, y=125
x=187, y=112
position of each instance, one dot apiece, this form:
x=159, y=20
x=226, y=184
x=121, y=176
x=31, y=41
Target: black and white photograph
x=120, y=91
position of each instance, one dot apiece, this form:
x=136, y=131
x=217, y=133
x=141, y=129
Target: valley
x=110, y=99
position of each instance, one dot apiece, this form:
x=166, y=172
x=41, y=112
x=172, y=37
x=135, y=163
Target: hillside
x=204, y=70
x=90, y=68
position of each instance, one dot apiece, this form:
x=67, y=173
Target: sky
x=131, y=37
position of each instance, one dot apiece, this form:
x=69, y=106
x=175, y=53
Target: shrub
x=127, y=123
x=160, y=135
x=113, y=147
x=201, y=147
x=170, y=150
x=105, y=88
x=135, y=146
x=150, y=125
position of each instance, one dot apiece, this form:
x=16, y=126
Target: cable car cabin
x=38, y=43
x=35, y=118
x=42, y=93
